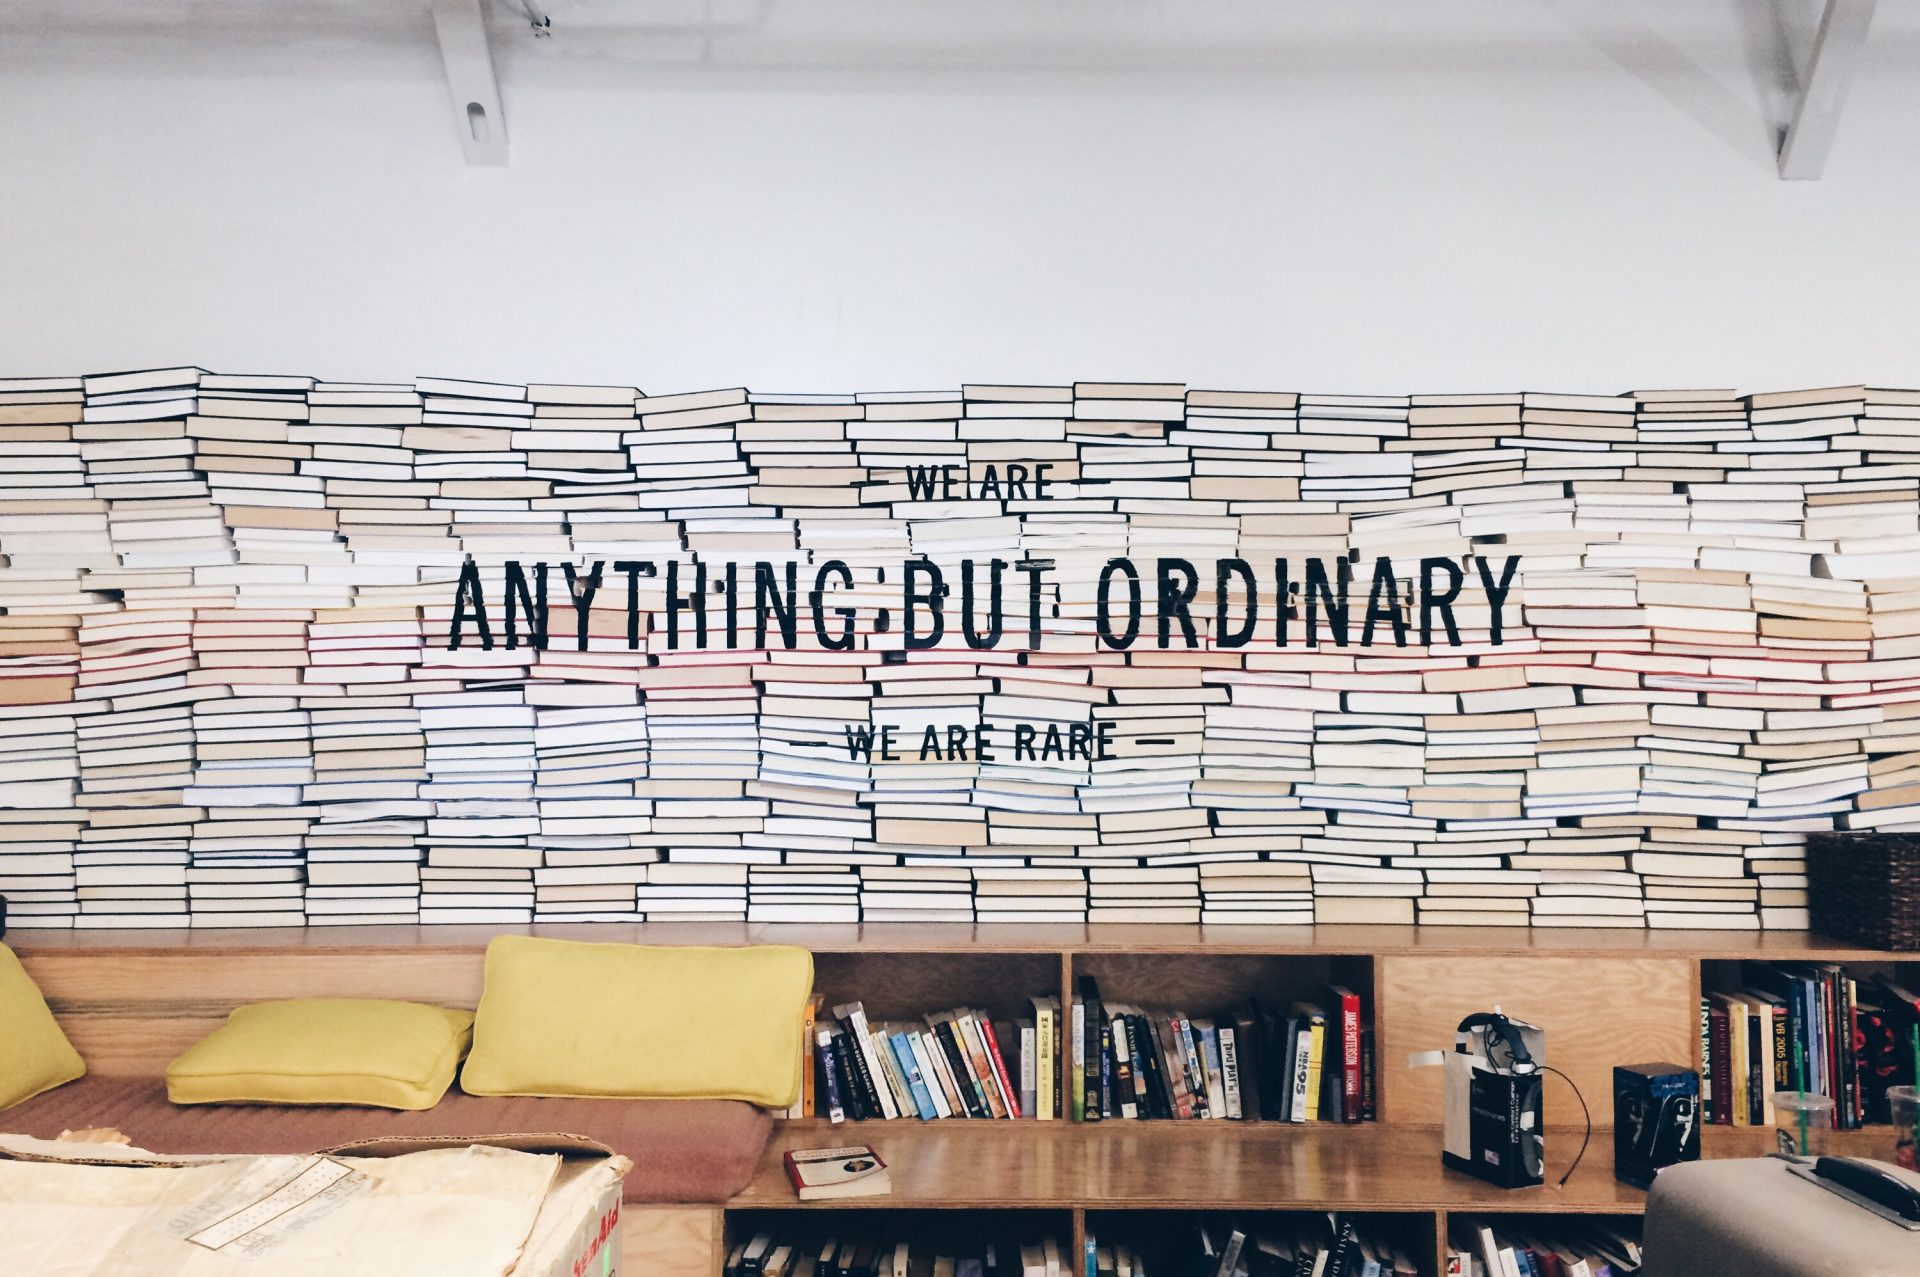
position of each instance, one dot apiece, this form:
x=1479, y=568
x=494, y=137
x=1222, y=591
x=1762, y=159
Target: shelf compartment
x=1719, y=975
x=1163, y=1237
x=907, y=986
x=1211, y=986
x=1460, y=1229
x=1596, y=1013
x=927, y=1231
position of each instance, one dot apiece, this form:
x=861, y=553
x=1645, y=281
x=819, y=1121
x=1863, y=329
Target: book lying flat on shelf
x=821, y=1174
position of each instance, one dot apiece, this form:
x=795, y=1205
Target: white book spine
x=1123, y=1050
x=1208, y=1042
x=956, y=1085
x=1077, y=1046
x=1302, y=1056
x=929, y=1076
x=1230, y=1070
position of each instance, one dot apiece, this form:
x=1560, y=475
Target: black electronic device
x=1656, y=1120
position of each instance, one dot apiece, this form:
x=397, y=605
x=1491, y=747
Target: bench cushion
x=35, y=1055
x=369, y=1051
x=682, y=1150
x=567, y=1018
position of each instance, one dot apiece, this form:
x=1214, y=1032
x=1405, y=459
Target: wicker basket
x=1865, y=888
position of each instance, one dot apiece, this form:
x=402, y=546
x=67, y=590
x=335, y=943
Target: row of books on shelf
x=1806, y=1027
x=948, y=1064
x=1092, y=1061
x=1548, y=1247
x=1302, y=1246
x=1291, y=1246
x=875, y=1251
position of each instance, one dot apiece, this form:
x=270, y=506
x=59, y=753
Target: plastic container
x=1905, y=1103
x=1803, y=1122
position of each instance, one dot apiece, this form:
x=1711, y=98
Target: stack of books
x=1557, y=1246
x=711, y=684
x=1813, y=1027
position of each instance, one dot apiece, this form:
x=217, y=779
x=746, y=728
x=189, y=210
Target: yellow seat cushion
x=392, y=1055
x=35, y=1055
x=561, y=1017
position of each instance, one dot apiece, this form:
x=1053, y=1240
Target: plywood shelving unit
x=1604, y=997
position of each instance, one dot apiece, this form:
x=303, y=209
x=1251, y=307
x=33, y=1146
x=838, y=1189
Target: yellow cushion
x=390, y=1055
x=560, y=1017
x=35, y=1055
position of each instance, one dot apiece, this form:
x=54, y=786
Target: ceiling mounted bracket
x=474, y=91
x=1823, y=89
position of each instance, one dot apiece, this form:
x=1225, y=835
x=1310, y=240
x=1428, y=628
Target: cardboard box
x=577, y=1233
x=585, y=1236
x=516, y=1206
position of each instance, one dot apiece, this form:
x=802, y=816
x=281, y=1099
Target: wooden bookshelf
x=1604, y=998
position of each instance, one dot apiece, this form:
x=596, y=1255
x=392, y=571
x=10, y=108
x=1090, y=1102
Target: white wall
x=814, y=196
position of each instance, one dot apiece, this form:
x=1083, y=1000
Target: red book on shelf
x=1352, y=1083
x=1009, y=1092
x=1720, y=1034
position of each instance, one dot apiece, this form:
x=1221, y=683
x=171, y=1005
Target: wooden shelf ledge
x=1208, y=1166
x=1779, y=946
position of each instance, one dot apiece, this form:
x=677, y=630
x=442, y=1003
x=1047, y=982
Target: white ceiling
x=1094, y=34
x=824, y=194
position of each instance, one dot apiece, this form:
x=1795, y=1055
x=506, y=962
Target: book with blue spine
x=910, y=1069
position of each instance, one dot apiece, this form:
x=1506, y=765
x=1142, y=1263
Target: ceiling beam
x=1823, y=89
x=475, y=93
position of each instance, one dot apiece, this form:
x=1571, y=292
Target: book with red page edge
x=823, y=1174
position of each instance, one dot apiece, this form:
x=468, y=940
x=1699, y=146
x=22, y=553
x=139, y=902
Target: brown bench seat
x=132, y=1001
x=682, y=1150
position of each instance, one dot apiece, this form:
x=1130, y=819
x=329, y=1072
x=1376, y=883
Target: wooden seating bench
x=131, y=1002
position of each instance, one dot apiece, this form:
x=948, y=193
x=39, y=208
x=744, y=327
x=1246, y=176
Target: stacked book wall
x=280, y=651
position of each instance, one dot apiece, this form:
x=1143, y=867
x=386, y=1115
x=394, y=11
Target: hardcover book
x=823, y=1174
